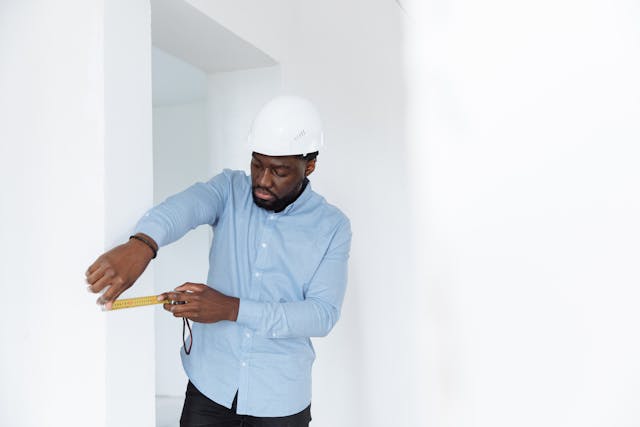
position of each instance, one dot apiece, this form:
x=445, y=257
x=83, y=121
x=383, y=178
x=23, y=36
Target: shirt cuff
x=249, y=313
x=155, y=231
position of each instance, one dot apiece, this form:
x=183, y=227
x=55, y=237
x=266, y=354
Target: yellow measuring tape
x=137, y=302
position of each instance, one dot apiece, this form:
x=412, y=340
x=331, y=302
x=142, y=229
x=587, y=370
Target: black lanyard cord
x=185, y=322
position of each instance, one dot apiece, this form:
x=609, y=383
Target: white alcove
x=208, y=83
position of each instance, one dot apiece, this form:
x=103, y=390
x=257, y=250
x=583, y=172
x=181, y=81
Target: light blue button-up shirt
x=289, y=270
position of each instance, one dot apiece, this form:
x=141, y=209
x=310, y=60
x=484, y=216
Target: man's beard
x=277, y=204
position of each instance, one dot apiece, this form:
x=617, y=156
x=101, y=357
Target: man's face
x=277, y=180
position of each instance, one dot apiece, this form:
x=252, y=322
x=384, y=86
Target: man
x=277, y=275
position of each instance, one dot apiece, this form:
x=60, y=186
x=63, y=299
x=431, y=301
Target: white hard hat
x=286, y=126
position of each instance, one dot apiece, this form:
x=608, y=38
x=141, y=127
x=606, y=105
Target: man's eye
x=279, y=173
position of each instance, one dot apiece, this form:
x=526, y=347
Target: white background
x=528, y=120
x=486, y=153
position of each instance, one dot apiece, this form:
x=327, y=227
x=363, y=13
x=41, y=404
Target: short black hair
x=308, y=157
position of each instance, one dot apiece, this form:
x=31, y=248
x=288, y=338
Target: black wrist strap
x=146, y=242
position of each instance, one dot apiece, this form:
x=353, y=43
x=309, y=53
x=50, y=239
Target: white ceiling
x=183, y=31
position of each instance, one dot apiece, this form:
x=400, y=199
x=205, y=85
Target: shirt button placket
x=245, y=354
x=262, y=256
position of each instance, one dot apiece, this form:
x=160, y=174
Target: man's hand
x=117, y=269
x=201, y=303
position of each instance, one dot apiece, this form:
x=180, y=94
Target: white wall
x=61, y=141
x=234, y=98
x=51, y=214
x=128, y=194
x=175, y=81
x=180, y=158
x=525, y=152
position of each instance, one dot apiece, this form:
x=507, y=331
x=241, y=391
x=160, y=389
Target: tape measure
x=137, y=302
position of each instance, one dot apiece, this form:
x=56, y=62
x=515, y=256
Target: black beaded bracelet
x=146, y=242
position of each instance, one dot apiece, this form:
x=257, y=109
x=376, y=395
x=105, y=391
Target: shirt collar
x=302, y=198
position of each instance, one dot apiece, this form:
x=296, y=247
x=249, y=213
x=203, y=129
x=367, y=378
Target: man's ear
x=310, y=167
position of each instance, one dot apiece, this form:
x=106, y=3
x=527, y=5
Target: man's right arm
x=120, y=267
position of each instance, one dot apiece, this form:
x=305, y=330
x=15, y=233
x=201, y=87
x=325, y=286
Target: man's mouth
x=263, y=194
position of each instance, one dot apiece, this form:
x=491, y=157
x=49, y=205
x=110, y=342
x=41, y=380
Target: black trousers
x=201, y=411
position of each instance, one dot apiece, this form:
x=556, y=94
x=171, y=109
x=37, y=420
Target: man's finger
x=193, y=287
x=102, y=292
x=179, y=296
x=180, y=309
x=92, y=268
x=103, y=282
x=96, y=274
x=110, y=295
x=187, y=314
x=170, y=307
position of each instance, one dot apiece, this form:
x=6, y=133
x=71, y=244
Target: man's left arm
x=316, y=315
x=313, y=317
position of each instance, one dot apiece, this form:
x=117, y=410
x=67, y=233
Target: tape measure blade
x=135, y=302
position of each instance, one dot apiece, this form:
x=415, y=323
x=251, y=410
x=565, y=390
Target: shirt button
x=247, y=334
x=244, y=363
x=272, y=217
x=257, y=274
x=264, y=245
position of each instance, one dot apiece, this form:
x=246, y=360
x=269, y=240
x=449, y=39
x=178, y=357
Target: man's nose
x=265, y=179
